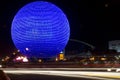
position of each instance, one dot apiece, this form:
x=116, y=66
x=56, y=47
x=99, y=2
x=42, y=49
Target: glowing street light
x=61, y=52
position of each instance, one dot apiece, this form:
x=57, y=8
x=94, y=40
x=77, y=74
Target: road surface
x=59, y=74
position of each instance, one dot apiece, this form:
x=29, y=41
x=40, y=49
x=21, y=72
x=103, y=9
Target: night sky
x=92, y=21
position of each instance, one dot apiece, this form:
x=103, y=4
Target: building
x=114, y=45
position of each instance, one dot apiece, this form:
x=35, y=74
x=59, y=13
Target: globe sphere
x=40, y=29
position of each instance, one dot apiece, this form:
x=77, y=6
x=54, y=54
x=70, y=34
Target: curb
x=3, y=76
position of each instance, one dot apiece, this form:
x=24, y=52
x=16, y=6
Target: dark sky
x=93, y=21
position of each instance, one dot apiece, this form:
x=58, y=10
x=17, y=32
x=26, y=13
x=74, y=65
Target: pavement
x=3, y=76
x=89, y=73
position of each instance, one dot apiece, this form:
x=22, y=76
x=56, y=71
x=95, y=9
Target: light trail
x=79, y=74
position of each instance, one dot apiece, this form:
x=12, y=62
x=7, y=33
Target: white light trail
x=79, y=74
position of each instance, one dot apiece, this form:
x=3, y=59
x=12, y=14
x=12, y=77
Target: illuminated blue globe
x=40, y=29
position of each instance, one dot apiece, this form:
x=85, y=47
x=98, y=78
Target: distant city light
x=0, y=65
x=40, y=60
x=3, y=60
x=22, y=59
x=106, y=5
x=18, y=50
x=103, y=59
x=6, y=58
x=64, y=59
x=14, y=53
x=18, y=58
x=56, y=59
x=25, y=59
x=92, y=58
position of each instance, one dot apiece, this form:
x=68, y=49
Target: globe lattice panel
x=42, y=28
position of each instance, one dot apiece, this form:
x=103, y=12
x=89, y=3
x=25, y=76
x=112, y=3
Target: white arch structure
x=78, y=41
